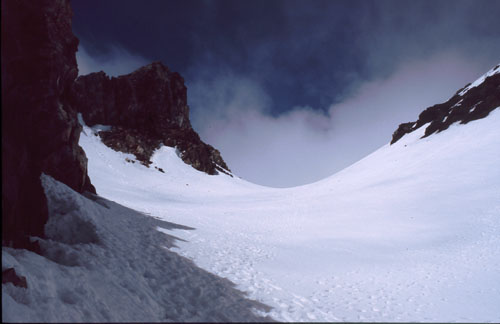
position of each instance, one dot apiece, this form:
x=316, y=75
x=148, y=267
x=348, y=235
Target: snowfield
x=409, y=233
x=107, y=263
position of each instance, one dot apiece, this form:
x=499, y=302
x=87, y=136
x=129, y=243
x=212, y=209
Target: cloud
x=309, y=89
x=115, y=61
x=304, y=145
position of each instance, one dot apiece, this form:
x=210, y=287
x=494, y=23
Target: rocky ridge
x=474, y=101
x=146, y=109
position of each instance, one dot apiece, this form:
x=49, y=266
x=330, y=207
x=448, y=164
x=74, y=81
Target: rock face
x=40, y=131
x=40, y=100
x=470, y=103
x=146, y=108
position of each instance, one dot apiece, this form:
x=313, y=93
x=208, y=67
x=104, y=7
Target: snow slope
x=103, y=262
x=409, y=233
x=106, y=263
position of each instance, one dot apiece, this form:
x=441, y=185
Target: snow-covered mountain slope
x=409, y=233
x=103, y=262
x=474, y=101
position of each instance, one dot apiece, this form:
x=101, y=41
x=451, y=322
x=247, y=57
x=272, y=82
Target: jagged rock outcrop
x=40, y=131
x=146, y=108
x=469, y=103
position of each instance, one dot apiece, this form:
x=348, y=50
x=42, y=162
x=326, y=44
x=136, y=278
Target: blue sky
x=280, y=67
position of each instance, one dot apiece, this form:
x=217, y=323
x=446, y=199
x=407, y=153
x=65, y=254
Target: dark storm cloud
x=275, y=84
x=304, y=52
x=304, y=144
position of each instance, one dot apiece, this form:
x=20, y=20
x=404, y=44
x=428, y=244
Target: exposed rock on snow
x=10, y=275
x=117, y=267
x=39, y=128
x=147, y=108
x=131, y=141
x=473, y=102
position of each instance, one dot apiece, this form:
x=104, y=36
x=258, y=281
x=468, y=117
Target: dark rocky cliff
x=40, y=101
x=475, y=103
x=40, y=131
x=146, y=108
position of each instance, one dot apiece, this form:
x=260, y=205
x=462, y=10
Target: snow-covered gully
x=409, y=233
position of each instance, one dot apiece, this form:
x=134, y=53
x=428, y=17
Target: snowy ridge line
x=474, y=101
x=480, y=80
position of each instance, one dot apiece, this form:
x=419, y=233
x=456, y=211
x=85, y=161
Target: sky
x=291, y=92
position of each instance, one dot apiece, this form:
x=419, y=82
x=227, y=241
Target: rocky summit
x=474, y=101
x=146, y=109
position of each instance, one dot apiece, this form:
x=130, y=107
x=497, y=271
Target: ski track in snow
x=410, y=233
